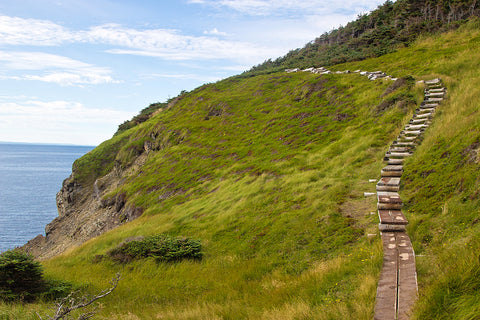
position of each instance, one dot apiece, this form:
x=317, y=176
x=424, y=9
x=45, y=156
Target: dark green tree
x=21, y=277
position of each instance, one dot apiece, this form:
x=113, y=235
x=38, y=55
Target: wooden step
x=430, y=99
x=392, y=217
x=424, y=105
x=433, y=81
x=386, y=299
x=394, y=148
x=391, y=227
x=403, y=138
x=388, y=197
x=423, y=115
x=442, y=89
x=390, y=155
x=435, y=94
x=407, y=276
x=424, y=110
x=388, y=184
x=409, y=144
x=392, y=171
x=389, y=206
x=395, y=161
x=420, y=121
x=411, y=132
x=416, y=126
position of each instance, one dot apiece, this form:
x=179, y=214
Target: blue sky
x=72, y=70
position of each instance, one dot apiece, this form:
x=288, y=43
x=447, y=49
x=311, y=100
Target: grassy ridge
x=269, y=172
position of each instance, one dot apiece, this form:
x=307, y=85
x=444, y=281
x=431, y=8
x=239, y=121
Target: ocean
x=30, y=177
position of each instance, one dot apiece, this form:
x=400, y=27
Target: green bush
x=161, y=247
x=20, y=276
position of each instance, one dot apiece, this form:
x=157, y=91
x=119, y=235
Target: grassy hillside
x=269, y=173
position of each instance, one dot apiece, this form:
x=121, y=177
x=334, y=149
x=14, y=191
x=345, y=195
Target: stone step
x=392, y=217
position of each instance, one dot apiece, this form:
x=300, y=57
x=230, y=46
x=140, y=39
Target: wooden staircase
x=397, y=286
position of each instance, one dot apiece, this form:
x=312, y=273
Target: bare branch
x=72, y=302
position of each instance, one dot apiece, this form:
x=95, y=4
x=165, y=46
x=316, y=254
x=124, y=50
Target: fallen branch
x=72, y=302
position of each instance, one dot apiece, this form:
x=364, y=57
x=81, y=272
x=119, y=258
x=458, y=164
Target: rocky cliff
x=84, y=212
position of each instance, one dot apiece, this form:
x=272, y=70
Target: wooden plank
x=392, y=217
x=388, y=197
x=424, y=105
x=391, y=228
x=430, y=99
x=411, y=132
x=435, y=94
x=437, y=90
x=407, y=276
x=389, y=206
x=415, y=126
x=397, y=155
x=395, y=161
x=423, y=115
x=386, y=299
x=432, y=82
x=421, y=120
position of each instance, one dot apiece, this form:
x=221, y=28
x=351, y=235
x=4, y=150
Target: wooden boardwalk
x=397, y=286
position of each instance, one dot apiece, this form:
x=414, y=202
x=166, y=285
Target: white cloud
x=167, y=44
x=273, y=7
x=215, y=32
x=18, y=31
x=56, y=69
x=56, y=121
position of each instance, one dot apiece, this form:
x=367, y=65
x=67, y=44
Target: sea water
x=30, y=177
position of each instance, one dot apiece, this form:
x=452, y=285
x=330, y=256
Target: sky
x=71, y=71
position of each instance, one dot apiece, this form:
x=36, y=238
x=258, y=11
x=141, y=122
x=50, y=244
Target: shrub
x=20, y=276
x=161, y=247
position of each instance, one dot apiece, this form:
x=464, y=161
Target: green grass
x=269, y=173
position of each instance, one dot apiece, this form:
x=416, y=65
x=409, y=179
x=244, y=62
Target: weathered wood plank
x=391, y=227
x=386, y=299
x=389, y=206
x=432, y=82
x=395, y=161
x=407, y=276
x=392, y=217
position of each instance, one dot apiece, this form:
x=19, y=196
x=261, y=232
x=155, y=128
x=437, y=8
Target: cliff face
x=83, y=213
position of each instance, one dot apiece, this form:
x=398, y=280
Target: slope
x=269, y=173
